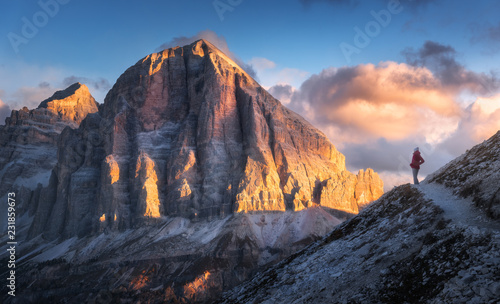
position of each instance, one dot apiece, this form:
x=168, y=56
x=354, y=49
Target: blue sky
x=101, y=39
x=288, y=43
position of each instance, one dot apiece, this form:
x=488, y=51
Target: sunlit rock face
x=186, y=132
x=186, y=181
x=28, y=145
x=71, y=104
x=369, y=187
x=148, y=204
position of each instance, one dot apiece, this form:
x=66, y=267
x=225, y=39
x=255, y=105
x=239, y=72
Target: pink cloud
x=4, y=112
x=390, y=100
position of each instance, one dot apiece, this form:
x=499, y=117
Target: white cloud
x=480, y=121
x=30, y=96
x=271, y=74
x=261, y=64
x=392, y=101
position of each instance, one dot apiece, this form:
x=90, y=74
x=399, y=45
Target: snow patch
x=33, y=181
x=55, y=252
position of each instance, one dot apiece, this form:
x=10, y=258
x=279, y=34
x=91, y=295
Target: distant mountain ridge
x=28, y=145
x=186, y=132
x=186, y=181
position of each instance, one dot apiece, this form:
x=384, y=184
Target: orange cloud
x=390, y=100
x=4, y=111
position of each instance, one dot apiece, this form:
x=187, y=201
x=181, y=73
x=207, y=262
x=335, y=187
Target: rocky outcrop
x=148, y=203
x=186, y=132
x=369, y=187
x=28, y=144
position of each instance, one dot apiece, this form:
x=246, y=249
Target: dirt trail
x=460, y=210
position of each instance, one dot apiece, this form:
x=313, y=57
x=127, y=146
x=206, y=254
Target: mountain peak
x=62, y=94
x=210, y=141
x=72, y=103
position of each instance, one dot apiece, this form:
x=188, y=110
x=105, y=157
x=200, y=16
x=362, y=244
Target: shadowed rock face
x=28, y=145
x=186, y=132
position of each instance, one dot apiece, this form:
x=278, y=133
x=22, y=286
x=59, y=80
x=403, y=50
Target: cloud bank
x=377, y=114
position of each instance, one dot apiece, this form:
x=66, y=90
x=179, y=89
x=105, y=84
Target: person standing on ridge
x=416, y=161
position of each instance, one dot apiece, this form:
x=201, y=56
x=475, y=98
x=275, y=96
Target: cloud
x=486, y=34
x=441, y=60
x=282, y=92
x=4, y=111
x=377, y=114
x=44, y=84
x=219, y=41
x=99, y=84
x=271, y=74
x=493, y=32
x=480, y=121
x=390, y=100
x=262, y=64
x=30, y=96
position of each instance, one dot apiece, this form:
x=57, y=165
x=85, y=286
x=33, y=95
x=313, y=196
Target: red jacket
x=417, y=160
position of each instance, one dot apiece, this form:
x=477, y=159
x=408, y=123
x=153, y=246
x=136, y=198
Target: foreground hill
x=416, y=244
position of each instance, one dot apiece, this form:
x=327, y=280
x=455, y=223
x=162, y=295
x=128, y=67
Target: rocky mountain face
x=431, y=243
x=28, y=144
x=189, y=179
x=186, y=132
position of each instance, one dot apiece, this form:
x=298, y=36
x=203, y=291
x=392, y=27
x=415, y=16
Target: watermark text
x=11, y=243
x=224, y=6
x=363, y=37
x=31, y=26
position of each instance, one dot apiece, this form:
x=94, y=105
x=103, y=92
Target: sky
x=377, y=77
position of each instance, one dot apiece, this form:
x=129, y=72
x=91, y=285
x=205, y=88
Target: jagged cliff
x=186, y=181
x=28, y=144
x=186, y=132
